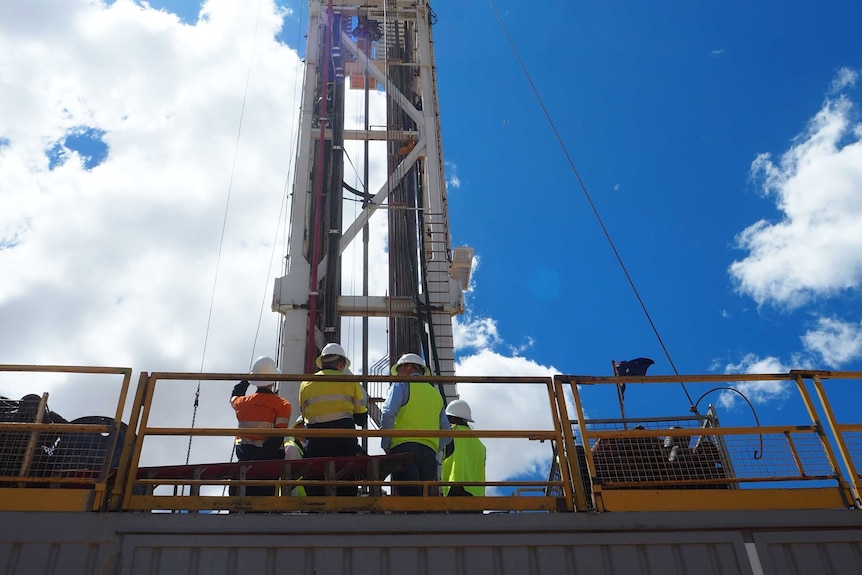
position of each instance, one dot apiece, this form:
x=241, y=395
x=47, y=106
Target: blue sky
x=663, y=110
x=719, y=142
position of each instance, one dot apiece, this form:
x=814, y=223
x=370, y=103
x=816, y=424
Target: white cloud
x=832, y=343
x=474, y=333
x=815, y=249
x=116, y=265
x=845, y=78
x=757, y=392
x=509, y=406
x=452, y=179
x=836, y=342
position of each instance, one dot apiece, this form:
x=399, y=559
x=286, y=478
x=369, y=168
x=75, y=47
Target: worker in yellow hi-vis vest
x=414, y=405
x=294, y=448
x=464, y=458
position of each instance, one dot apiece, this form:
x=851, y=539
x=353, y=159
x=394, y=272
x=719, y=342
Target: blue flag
x=632, y=367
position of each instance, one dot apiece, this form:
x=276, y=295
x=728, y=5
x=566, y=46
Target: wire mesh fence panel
x=853, y=441
x=700, y=460
x=651, y=460
x=798, y=455
x=54, y=453
x=22, y=450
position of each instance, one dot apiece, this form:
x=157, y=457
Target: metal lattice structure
x=382, y=48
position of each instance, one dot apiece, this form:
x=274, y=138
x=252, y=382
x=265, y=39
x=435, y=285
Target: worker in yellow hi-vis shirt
x=332, y=405
x=464, y=458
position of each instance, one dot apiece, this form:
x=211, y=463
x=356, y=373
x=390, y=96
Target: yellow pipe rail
x=839, y=432
x=601, y=469
x=74, y=488
x=632, y=451
x=505, y=502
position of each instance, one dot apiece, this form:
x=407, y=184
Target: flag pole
x=620, y=395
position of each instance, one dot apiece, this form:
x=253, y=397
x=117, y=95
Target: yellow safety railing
x=48, y=463
x=848, y=436
x=165, y=482
x=655, y=464
x=634, y=463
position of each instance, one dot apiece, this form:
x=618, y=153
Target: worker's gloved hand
x=240, y=389
x=360, y=419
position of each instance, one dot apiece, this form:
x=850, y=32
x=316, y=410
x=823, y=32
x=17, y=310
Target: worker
x=413, y=404
x=260, y=410
x=464, y=457
x=332, y=405
x=294, y=449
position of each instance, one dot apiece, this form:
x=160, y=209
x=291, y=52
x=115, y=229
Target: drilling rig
x=370, y=265
x=367, y=56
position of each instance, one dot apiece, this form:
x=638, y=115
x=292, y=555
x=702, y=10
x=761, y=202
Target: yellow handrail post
x=34, y=436
x=839, y=439
x=815, y=420
x=588, y=454
x=148, y=383
x=120, y=487
x=570, y=471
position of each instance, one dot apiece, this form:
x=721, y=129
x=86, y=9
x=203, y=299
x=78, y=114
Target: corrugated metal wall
x=749, y=543
x=443, y=554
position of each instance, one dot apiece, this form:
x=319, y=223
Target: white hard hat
x=410, y=358
x=332, y=349
x=266, y=365
x=459, y=408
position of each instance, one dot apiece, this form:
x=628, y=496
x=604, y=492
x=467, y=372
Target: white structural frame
x=444, y=292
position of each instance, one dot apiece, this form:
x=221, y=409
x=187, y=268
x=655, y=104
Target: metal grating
x=701, y=460
x=673, y=461
x=34, y=455
x=853, y=441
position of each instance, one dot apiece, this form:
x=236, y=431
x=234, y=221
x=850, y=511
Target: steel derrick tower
x=380, y=50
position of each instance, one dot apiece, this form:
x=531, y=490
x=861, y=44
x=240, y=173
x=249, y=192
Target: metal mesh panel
x=53, y=454
x=554, y=475
x=853, y=441
x=14, y=444
x=784, y=455
x=696, y=461
x=673, y=461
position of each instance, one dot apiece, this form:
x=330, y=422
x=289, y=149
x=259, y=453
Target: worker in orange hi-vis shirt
x=260, y=410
